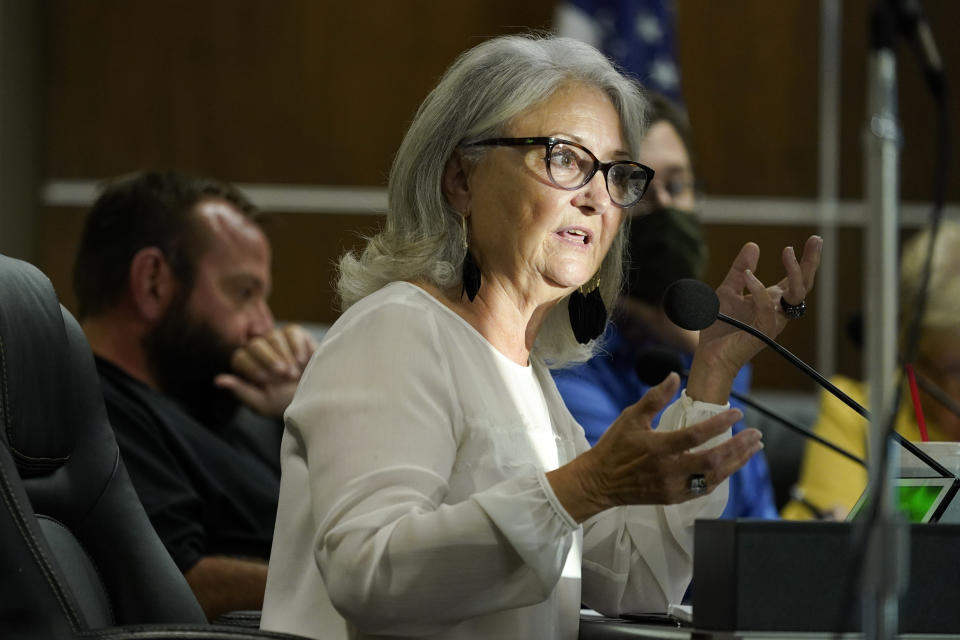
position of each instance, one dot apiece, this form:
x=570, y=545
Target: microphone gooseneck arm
x=793, y=426
x=832, y=388
x=653, y=365
x=797, y=362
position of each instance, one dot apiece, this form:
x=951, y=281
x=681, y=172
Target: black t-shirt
x=207, y=491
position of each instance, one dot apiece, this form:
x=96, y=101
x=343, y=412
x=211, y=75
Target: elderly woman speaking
x=434, y=484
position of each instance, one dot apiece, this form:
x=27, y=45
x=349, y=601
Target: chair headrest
x=49, y=387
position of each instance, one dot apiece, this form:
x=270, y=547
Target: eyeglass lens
x=626, y=183
x=572, y=167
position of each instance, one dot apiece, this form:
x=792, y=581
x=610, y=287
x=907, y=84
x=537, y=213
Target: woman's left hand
x=723, y=349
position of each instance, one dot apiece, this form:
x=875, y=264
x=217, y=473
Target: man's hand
x=268, y=369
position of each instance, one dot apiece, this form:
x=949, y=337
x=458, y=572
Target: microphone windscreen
x=691, y=304
x=656, y=363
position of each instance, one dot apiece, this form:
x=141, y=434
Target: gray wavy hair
x=485, y=88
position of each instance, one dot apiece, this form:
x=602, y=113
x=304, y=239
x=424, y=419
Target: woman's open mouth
x=576, y=235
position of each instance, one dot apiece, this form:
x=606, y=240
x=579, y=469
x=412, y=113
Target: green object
x=916, y=501
x=919, y=499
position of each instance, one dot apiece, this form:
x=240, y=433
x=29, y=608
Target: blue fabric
x=597, y=391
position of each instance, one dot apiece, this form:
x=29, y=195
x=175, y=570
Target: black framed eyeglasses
x=571, y=165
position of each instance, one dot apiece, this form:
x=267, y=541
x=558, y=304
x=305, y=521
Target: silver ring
x=793, y=311
x=698, y=484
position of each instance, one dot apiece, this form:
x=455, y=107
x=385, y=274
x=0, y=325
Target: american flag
x=638, y=34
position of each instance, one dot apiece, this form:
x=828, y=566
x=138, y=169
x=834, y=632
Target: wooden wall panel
x=917, y=112
x=59, y=236
x=305, y=251
x=252, y=91
x=749, y=73
x=750, y=77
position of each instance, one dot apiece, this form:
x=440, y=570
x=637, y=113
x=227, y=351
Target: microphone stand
x=885, y=571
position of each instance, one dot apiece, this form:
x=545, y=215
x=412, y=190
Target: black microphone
x=693, y=305
x=655, y=363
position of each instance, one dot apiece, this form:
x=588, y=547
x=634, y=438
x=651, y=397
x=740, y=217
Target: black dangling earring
x=471, y=276
x=471, y=272
x=588, y=314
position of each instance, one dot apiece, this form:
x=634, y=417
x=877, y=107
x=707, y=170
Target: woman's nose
x=593, y=197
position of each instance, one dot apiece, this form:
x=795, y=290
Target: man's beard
x=184, y=354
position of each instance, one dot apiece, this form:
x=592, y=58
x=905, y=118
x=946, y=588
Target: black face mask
x=665, y=246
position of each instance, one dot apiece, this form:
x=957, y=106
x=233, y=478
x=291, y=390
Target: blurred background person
x=829, y=483
x=172, y=278
x=665, y=243
x=434, y=484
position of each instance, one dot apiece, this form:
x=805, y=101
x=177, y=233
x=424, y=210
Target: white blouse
x=413, y=500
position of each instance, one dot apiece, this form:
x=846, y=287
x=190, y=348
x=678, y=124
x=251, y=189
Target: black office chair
x=78, y=556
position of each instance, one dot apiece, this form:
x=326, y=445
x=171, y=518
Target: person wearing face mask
x=666, y=244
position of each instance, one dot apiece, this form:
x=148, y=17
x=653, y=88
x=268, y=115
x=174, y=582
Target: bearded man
x=172, y=278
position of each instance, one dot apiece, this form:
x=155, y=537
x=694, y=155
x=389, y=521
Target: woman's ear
x=456, y=183
x=152, y=283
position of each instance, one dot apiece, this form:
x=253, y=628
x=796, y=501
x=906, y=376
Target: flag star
x=648, y=28
x=663, y=73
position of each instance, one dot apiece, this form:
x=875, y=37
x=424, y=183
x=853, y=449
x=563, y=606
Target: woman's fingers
x=810, y=261
x=672, y=459
x=800, y=272
x=746, y=260
x=627, y=437
x=640, y=415
x=718, y=463
x=794, y=280
x=633, y=464
x=765, y=304
x=761, y=295
x=653, y=401
x=682, y=440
